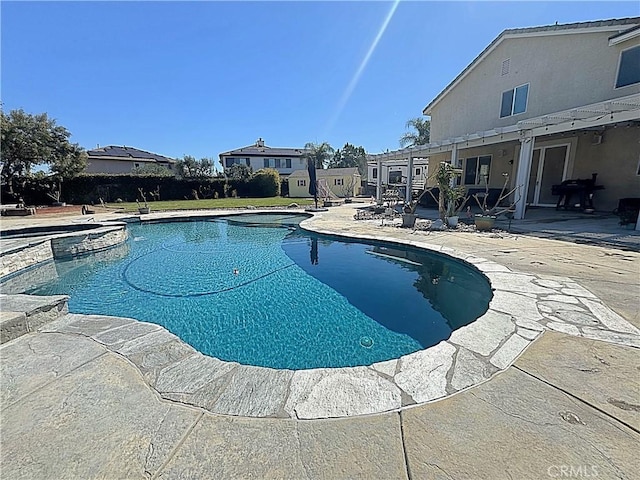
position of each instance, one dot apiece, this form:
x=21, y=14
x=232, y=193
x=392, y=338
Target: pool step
x=20, y=314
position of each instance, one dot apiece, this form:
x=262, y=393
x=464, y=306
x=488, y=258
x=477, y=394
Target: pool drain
x=366, y=342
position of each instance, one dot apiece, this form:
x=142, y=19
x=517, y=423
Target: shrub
x=265, y=183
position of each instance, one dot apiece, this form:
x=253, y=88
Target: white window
x=338, y=181
x=302, y=183
x=476, y=170
x=514, y=101
x=629, y=67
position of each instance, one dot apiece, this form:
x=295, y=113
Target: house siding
x=296, y=191
x=563, y=71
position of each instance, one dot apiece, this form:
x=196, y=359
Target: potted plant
x=452, y=198
x=485, y=220
x=409, y=209
x=456, y=199
x=146, y=209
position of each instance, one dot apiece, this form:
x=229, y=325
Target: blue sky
x=201, y=78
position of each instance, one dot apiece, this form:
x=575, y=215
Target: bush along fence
x=90, y=188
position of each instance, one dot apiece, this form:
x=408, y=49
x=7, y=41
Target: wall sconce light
x=597, y=138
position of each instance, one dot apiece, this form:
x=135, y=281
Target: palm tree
x=421, y=134
x=319, y=153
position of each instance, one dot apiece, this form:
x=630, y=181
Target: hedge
x=90, y=188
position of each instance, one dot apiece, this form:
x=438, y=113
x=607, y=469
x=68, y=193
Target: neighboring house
x=259, y=155
x=544, y=104
x=336, y=182
x=394, y=173
x=115, y=159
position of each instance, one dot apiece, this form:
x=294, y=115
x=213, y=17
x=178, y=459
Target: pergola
x=596, y=115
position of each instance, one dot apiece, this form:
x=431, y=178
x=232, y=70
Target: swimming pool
x=258, y=290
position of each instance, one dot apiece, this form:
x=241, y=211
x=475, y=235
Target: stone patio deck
x=78, y=404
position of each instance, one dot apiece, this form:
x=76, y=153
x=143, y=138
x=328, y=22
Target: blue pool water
x=257, y=290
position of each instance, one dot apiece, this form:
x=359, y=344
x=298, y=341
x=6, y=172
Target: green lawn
x=217, y=203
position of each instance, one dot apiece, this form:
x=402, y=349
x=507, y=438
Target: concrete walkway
x=568, y=408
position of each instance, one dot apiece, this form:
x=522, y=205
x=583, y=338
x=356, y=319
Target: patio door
x=548, y=167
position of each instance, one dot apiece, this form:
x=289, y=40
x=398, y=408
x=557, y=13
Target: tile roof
x=262, y=151
x=114, y=152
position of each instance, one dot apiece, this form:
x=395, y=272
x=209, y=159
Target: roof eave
x=510, y=34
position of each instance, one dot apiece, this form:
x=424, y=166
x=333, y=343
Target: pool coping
x=523, y=306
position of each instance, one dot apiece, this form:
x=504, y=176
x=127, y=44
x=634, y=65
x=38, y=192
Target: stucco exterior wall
x=503, y=160
x=616, y=161
x=563, y=72
x=296, y=191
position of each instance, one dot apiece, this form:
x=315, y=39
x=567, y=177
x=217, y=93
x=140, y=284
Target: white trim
x=565, y=170
x=623, y=38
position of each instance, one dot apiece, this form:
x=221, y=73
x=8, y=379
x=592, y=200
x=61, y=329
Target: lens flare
x=356, y=77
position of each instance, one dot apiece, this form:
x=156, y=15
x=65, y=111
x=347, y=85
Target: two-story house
x=114, y=159
x=543, y=105
x=259, y=155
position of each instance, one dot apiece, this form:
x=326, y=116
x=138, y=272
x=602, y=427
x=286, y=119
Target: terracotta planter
x=485, y=223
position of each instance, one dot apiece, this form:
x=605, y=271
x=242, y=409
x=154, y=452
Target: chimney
x=260, y=142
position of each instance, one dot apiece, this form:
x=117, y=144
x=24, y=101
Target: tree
x=265, y=183
x=238, y=171
x=319, y=154
x=152, y=169
x=29, y=140
x=420, y=136
x=350, y=156
x=188, y=166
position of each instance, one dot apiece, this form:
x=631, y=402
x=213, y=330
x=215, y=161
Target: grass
x=163, y=205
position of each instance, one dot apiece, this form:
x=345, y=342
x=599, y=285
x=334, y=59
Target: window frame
x=615, y=83
x=477, y=159
x=514, y=97
x=302, y=183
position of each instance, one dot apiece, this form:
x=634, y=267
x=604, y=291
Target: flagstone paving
x=89, y=396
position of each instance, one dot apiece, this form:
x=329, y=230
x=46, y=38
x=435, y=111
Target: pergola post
x=379, y=182
x=408, y=196
x=522, y=173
